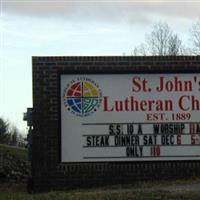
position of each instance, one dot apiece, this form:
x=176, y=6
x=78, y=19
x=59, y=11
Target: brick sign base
x=48, y=172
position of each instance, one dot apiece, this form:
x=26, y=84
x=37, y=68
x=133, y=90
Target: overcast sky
x=44, y=28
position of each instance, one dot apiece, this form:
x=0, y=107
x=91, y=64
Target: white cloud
x=129, y=11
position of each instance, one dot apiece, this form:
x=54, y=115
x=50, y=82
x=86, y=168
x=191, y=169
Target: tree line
x=10, y=135
x=162, y=41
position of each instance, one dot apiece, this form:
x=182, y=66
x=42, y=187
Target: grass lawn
x=18, y=152
x=154, y=190
x=143, y=191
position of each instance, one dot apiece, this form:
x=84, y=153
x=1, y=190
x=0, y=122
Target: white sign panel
x=130, y=117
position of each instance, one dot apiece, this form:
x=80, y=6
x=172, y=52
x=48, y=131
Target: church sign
x=129, y=117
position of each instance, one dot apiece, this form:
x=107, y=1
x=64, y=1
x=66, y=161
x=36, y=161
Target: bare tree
x=174, y=45
x=161, y=41
x=196, y=37
x=14, y=135
x=157, y=40
x=140, y=50
x=4, y=125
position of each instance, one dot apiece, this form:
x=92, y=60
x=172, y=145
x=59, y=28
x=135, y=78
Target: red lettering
x=143, y=105
x=178, y=139
x=126, y=104
x=136, y=84
x=105, y=101
x=182, y=104
x=192, y=128
x=195, y=103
